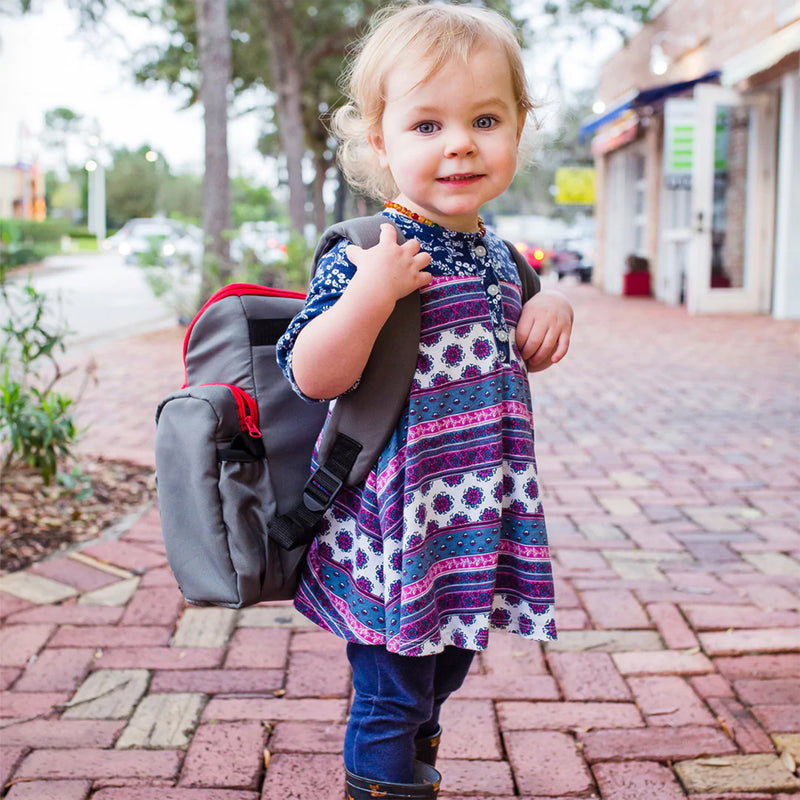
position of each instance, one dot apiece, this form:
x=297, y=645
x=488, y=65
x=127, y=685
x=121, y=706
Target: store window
x=729, y=223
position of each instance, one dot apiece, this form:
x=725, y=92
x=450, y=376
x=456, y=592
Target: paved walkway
x=669, y=448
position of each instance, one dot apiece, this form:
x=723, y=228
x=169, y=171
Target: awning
x=645, y=97
x=762, y=56
x=608, y=116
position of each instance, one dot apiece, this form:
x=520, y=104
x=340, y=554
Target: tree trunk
x=288, y=80
x=320, y=172
x=340, y=200
x=215, y=63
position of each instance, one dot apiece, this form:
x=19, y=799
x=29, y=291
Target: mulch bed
x=37, y=520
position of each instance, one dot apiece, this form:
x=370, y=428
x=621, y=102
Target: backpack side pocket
x=215, y=499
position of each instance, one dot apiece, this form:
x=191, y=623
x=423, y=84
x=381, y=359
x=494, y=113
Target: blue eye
x=426, y=127
x=485, y=122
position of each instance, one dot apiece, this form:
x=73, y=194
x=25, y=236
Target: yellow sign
x=575, y=186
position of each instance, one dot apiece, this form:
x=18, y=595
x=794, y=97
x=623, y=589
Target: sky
x=45, y=63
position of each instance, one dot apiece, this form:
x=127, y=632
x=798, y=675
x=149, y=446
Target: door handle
x=699, y=228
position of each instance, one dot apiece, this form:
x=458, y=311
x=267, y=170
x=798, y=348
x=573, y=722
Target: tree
x=251, y=203
x=132, y=185
x=295, y=50
x=288, y=88
x=215, y=65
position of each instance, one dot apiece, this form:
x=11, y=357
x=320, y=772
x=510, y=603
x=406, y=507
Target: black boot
x=425, y=786
x=427, y=748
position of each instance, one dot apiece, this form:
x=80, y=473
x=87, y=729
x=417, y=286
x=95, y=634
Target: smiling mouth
x=460, y=178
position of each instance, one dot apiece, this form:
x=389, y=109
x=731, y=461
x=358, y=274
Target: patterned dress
x=446, y=539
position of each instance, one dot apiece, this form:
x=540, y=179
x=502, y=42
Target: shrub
x=36, y=424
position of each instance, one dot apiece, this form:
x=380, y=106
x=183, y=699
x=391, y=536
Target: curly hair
x=439, y=33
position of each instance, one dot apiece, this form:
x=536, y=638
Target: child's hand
x=390, y=269
x=544, y=329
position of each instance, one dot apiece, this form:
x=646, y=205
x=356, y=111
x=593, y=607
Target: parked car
x=568, y=258
x=535, y=255
x=173, y=241
x=266, y=240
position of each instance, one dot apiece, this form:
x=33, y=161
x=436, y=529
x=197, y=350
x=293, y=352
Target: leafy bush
x=36, y=425
x=24, y=242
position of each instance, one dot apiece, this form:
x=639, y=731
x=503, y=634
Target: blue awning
x=645, y=97
x=607, y=116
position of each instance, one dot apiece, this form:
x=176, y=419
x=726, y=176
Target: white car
x=172, y=240
x=267, y=241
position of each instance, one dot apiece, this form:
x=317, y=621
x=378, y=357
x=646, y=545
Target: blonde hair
x=440, y=32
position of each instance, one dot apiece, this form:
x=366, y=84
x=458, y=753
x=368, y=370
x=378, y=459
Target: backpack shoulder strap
x=370, y=412
x=362, y=421
x=527, y=274
x=362, y=231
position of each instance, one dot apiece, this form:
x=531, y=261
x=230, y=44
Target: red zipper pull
x=251, y=426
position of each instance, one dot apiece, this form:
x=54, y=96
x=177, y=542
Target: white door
x=733, y=180
x=676, y=237
x=627, y=217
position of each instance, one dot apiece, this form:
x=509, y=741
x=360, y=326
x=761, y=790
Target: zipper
x=236, y=290
x=247, y=408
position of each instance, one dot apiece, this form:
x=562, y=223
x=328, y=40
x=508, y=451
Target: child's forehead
x=419, y=72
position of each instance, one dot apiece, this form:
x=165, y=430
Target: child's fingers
x=550, y=352
x=422, y=259
x=388, y=234
x=561, y=348
x=537, y=352
x=423, y=278
x=354, y=253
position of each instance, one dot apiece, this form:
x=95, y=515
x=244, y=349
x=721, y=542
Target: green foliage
x=589, y=16
x=641, y=12
x=77, y=482
x=132, y=186
x=298, y=262
x=251, y=203
x=36, y=424
x=174, y=280
x=182, y=197
x=26, y=241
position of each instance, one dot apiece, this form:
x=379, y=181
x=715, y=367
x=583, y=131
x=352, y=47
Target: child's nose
x=459, y=142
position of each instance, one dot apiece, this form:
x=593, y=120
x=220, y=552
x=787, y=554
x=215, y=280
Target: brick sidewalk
x=669, y=448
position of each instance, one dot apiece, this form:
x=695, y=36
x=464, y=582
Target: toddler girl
x=445, y=540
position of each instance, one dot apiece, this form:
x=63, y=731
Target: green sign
x=679, y=130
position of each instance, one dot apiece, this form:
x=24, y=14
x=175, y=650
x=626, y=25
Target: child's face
x=451, y=141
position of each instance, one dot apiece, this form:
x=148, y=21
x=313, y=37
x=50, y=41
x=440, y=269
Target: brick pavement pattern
x=669, y=449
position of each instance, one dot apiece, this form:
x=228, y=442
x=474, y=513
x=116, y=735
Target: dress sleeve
x=334, y=272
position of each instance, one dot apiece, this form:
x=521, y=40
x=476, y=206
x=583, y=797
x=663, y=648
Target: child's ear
x=521, y=119
x=375, y=140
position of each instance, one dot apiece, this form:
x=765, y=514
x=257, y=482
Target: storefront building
x=698, y=157
x=22, y=192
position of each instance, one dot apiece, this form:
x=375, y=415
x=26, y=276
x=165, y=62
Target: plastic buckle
x=320, y=489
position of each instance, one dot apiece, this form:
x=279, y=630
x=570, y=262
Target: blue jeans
x=397, y=699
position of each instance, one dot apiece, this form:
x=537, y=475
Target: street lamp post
x=97, y=199
x=96, y=221
x=154, y=158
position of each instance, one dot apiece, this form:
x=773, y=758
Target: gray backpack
x=233, y=446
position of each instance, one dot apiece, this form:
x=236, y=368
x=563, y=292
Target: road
x=98, y=297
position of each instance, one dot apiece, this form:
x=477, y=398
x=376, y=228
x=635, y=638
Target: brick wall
x=695, y=35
